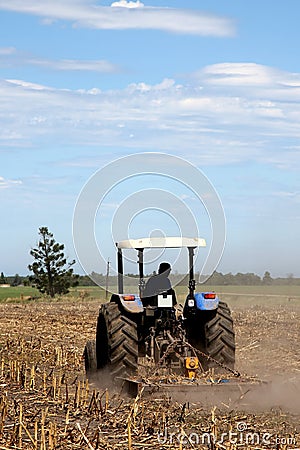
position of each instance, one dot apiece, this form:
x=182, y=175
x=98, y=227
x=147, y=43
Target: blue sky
x=84, y=82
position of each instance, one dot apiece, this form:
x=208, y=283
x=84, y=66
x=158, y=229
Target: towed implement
x=153, y=345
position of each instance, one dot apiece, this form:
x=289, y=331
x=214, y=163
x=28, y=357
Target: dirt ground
x=46, y=403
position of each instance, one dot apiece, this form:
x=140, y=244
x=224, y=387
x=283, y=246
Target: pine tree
x=52, y=273
x=2, y=279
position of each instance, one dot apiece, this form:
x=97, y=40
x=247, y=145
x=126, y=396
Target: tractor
x=197, y=336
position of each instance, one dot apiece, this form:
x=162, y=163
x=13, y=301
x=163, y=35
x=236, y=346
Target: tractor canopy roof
x=162, y=242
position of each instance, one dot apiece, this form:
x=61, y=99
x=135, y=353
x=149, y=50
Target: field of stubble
x=46, y=402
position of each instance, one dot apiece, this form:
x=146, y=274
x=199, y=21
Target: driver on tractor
x=158, y=284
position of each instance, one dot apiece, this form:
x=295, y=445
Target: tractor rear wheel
x=211, y=332
x=116, y=342
x=220, y=339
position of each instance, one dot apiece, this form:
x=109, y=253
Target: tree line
x=217, y=279
x=52, y=274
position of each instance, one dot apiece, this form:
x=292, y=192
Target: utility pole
x=106, y=281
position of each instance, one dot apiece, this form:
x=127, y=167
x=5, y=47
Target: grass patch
x=88, y=293
x=255, y=290
x=21, y=293
x=18, y=293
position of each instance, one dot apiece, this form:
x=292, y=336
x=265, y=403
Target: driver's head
x=164, y=268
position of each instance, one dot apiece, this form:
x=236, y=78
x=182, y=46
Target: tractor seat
x=153, y=299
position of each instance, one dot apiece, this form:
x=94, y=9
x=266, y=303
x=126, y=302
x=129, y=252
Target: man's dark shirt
x=157, y=284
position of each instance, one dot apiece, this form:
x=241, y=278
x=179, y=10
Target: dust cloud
x=281, y=393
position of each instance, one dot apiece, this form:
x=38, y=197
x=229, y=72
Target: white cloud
x=48, y=21
x=294, y=195
x=166, y=84
x=130, y=4
x=12, y=57
x=202, y=117
x=28, y=85
x=75, y=65
x=239, y=73
x=5, y=51
x=261, y=81
x=5, y=183
x=88, y=14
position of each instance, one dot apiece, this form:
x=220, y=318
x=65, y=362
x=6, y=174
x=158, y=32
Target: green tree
x=267, y=279
x=17, y=280
x=2, y=279
x=52, y=273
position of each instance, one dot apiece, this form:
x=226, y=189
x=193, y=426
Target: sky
x=215, y=83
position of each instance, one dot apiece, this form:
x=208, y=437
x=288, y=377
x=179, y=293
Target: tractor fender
x=206, y=301
x=131, y=303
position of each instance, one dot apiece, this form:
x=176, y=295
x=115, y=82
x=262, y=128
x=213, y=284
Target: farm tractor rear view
x=152, y=327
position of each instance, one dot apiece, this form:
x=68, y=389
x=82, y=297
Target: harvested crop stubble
x=267, y=339
x=47, y=403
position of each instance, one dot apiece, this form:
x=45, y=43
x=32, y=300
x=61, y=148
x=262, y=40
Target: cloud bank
x=5, y=183
x=11, y=57
x=123, y=15
x=226, y=112
x=130, y=4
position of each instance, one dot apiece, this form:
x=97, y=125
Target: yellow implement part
x=191, y=365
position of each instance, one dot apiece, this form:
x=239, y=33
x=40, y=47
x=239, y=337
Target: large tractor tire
x=220, y=339
x=212, y=333
x=116, y=342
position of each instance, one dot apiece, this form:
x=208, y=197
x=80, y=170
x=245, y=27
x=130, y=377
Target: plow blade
x=227, y=393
